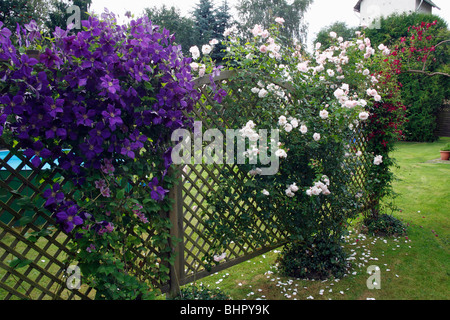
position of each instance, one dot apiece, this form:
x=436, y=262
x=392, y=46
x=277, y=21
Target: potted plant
x=445, y=152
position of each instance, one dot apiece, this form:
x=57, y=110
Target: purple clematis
x=157, y=192
x=69, y=219
x=112, y=115
x=54, y=195
x=36, y=152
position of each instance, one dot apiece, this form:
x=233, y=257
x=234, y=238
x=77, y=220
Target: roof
x=357, y=7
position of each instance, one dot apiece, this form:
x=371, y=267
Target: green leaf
x=25, y=220
x=120, y=194
x=17, y=263
x=26, y=203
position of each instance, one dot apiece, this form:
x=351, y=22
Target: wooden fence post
x=176, y=218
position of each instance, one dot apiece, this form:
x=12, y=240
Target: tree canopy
x=264, y=12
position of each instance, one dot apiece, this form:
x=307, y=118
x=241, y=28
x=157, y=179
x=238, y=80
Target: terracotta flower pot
x=445, y=155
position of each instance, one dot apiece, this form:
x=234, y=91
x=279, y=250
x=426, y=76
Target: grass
x=416, y=267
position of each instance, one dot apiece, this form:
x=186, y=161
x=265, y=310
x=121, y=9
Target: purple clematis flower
x=50, y=59
x=91, y=149
x=99, y=133
x=112, y=115
x=33, y=30
x=53, y=195
x=53, y=106
x=84, y=117
x=36, y=152
x=69, y=218
x=72, y=162
x=110, y=84
x=157, y=192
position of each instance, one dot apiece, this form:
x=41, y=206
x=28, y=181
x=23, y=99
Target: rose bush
x=99, y=107
x=321, y=105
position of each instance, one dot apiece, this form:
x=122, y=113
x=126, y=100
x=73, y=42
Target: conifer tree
x=204, y=22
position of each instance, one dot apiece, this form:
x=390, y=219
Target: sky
x=321, y=13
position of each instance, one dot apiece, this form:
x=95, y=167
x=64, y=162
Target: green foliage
x=264, y=12
x=395, y=26
x=20, y=11
x=340, y=28
x=317, y=116
x=204, y=22
x=315, y=258
x=57, y=15
x=422, y=95
x=200, y=292
x=383, y=225
x=171, y=19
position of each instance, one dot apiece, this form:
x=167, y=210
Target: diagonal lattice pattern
x=37, y=269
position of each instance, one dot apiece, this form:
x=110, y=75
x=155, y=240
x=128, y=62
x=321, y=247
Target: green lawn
x=412, y=268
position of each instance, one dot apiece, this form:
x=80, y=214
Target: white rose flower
x=195, y=52
x=194, y=66
x=362, y=102
x=316, y=136
x=333, y=34
x=288, y=127
x=282, y=120
x=303, y=129
x=218, y=258
x=378, y=160
x=293, y=187
x=323, y=114
x=250, y=124
x=206, y=49
x=202, y=70
x=262, y=93
x=351, y=103
x=303, y=67
x=294, y=123
x=338, y=93
x=253, y=137
x=289, y=193
x=280, y=153
x=363, y=115
x=279, y=20
x=316, y=190
x=265, y=192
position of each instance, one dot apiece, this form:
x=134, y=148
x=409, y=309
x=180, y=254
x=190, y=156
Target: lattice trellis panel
x=35, y=270
x=29, y=269
x=199, y=181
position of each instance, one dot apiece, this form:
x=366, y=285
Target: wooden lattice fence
x=37, y=269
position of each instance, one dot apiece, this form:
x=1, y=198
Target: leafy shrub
x=383, y=225
x=193, y=292
x=313, y=259
x=419, y=34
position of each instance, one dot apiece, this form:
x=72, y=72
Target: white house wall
x=425, y=7
x=371, y=9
